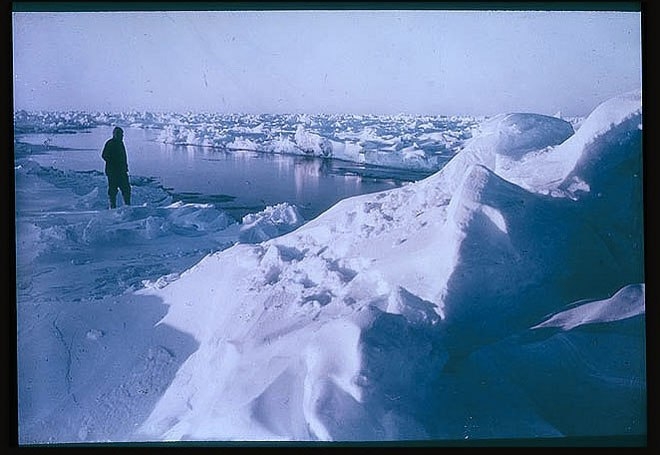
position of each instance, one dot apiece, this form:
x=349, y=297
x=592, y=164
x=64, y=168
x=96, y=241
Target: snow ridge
x=432, y=274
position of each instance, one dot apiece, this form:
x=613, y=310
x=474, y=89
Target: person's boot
x=113, y=202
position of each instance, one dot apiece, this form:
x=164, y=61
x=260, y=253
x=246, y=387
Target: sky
x=481, y=302
x=343, y=61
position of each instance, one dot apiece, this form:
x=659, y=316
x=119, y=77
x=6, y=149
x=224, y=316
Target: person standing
x=116, y=168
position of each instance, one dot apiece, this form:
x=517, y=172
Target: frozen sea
x=492, y=288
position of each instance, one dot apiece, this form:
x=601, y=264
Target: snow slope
x=501, y=297
x=340, y=329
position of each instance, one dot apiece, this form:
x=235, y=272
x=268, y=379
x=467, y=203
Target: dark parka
x=114, y=154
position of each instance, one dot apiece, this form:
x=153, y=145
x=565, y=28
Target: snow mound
x=283, y=144
x=513, y=135
x=502, y=144
x=271, y=222
x=506, y=243
x=311, y=143
x=365, y=321
x=566, y=170
x=241, y=143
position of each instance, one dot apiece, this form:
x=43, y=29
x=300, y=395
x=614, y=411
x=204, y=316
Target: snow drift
x=376, y=320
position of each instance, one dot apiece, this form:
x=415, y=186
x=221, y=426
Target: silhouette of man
x=116, y=168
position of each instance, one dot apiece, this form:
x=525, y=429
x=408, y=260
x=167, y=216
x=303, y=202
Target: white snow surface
x=493, y=299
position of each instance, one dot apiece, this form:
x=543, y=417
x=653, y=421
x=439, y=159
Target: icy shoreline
x=411, y=142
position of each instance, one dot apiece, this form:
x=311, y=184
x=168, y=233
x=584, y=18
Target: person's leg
x=125, y=187
x=112, y=192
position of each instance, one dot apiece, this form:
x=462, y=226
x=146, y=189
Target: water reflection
x=352, y=181
x=306, y=175
x=176, y=151
x=190, y=152
x=243, y=181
